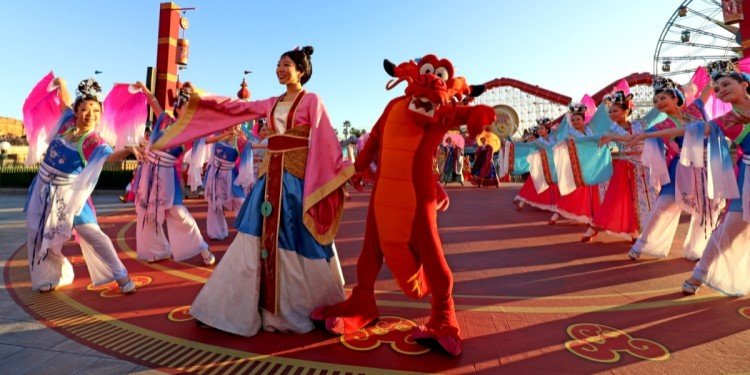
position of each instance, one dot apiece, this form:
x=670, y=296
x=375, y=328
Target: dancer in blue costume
x=659, y=230
x=223, y=192
x=283, y=263
x=58, y=199
x=159, y=197
x=725, y=264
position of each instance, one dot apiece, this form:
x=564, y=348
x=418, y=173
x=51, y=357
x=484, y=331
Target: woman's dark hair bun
x=89, y=86
x=301, y=59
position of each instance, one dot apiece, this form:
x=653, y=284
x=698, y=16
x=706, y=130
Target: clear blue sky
x=572, y=46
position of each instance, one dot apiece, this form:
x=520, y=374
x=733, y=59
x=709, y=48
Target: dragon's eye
x=426, y=69
x=442, y=73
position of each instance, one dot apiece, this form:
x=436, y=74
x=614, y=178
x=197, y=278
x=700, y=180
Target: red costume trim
x=277, y=145
x=511, y=157
x=545, y=167
x=575, y=164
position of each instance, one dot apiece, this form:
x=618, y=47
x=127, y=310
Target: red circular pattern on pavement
x=180, y=314
x=522, y=289
x=392, y=330
x=113, y=290
x=601, y=343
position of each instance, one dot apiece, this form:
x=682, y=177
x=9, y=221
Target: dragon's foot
x=356, y=312
x=446, y=339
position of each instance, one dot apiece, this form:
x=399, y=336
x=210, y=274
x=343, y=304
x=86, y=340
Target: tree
x=347, y=125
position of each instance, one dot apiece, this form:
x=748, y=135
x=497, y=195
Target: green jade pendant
x=266, y=209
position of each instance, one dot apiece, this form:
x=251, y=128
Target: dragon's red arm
x=475, y=117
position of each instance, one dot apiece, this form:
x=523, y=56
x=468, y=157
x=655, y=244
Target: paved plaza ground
x=28, y=346
x=530, y=299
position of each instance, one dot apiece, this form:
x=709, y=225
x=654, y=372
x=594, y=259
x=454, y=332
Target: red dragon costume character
x=402, y=218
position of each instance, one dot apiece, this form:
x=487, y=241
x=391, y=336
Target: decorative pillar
x=166, y=55
x=745, y=27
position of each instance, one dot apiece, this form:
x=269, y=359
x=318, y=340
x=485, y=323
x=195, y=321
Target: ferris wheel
x=695, y=35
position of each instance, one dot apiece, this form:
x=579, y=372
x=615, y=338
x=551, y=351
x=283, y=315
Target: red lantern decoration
x=183, y=48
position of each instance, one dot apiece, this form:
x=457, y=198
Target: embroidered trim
x=295, y=160
x=545, y=166
x=292, y=111
x=575, y=164
x=511, y=157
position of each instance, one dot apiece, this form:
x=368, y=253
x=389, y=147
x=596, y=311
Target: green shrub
x=113, y=176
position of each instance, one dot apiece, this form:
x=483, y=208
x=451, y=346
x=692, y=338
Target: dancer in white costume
x=725, y=264
x=661, y=225
x=283, y=263
x=58, y=199
x=159, y=197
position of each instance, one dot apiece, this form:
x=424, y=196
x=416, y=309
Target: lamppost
x=4, y=148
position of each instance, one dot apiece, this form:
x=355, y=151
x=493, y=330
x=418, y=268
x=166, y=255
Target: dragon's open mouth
x=423, y=106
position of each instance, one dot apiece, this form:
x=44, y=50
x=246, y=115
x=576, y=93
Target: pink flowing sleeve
x=666, y=124
x=207, y=114
x=696, y=109
x=90, y=144
x=241, y=143
x=672, y=148
x=325, y=173
x=732, y=126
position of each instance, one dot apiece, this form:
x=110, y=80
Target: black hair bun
x=89, y=85
x=308, y=50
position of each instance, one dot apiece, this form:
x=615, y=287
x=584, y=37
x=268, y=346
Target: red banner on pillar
x=732, y=11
